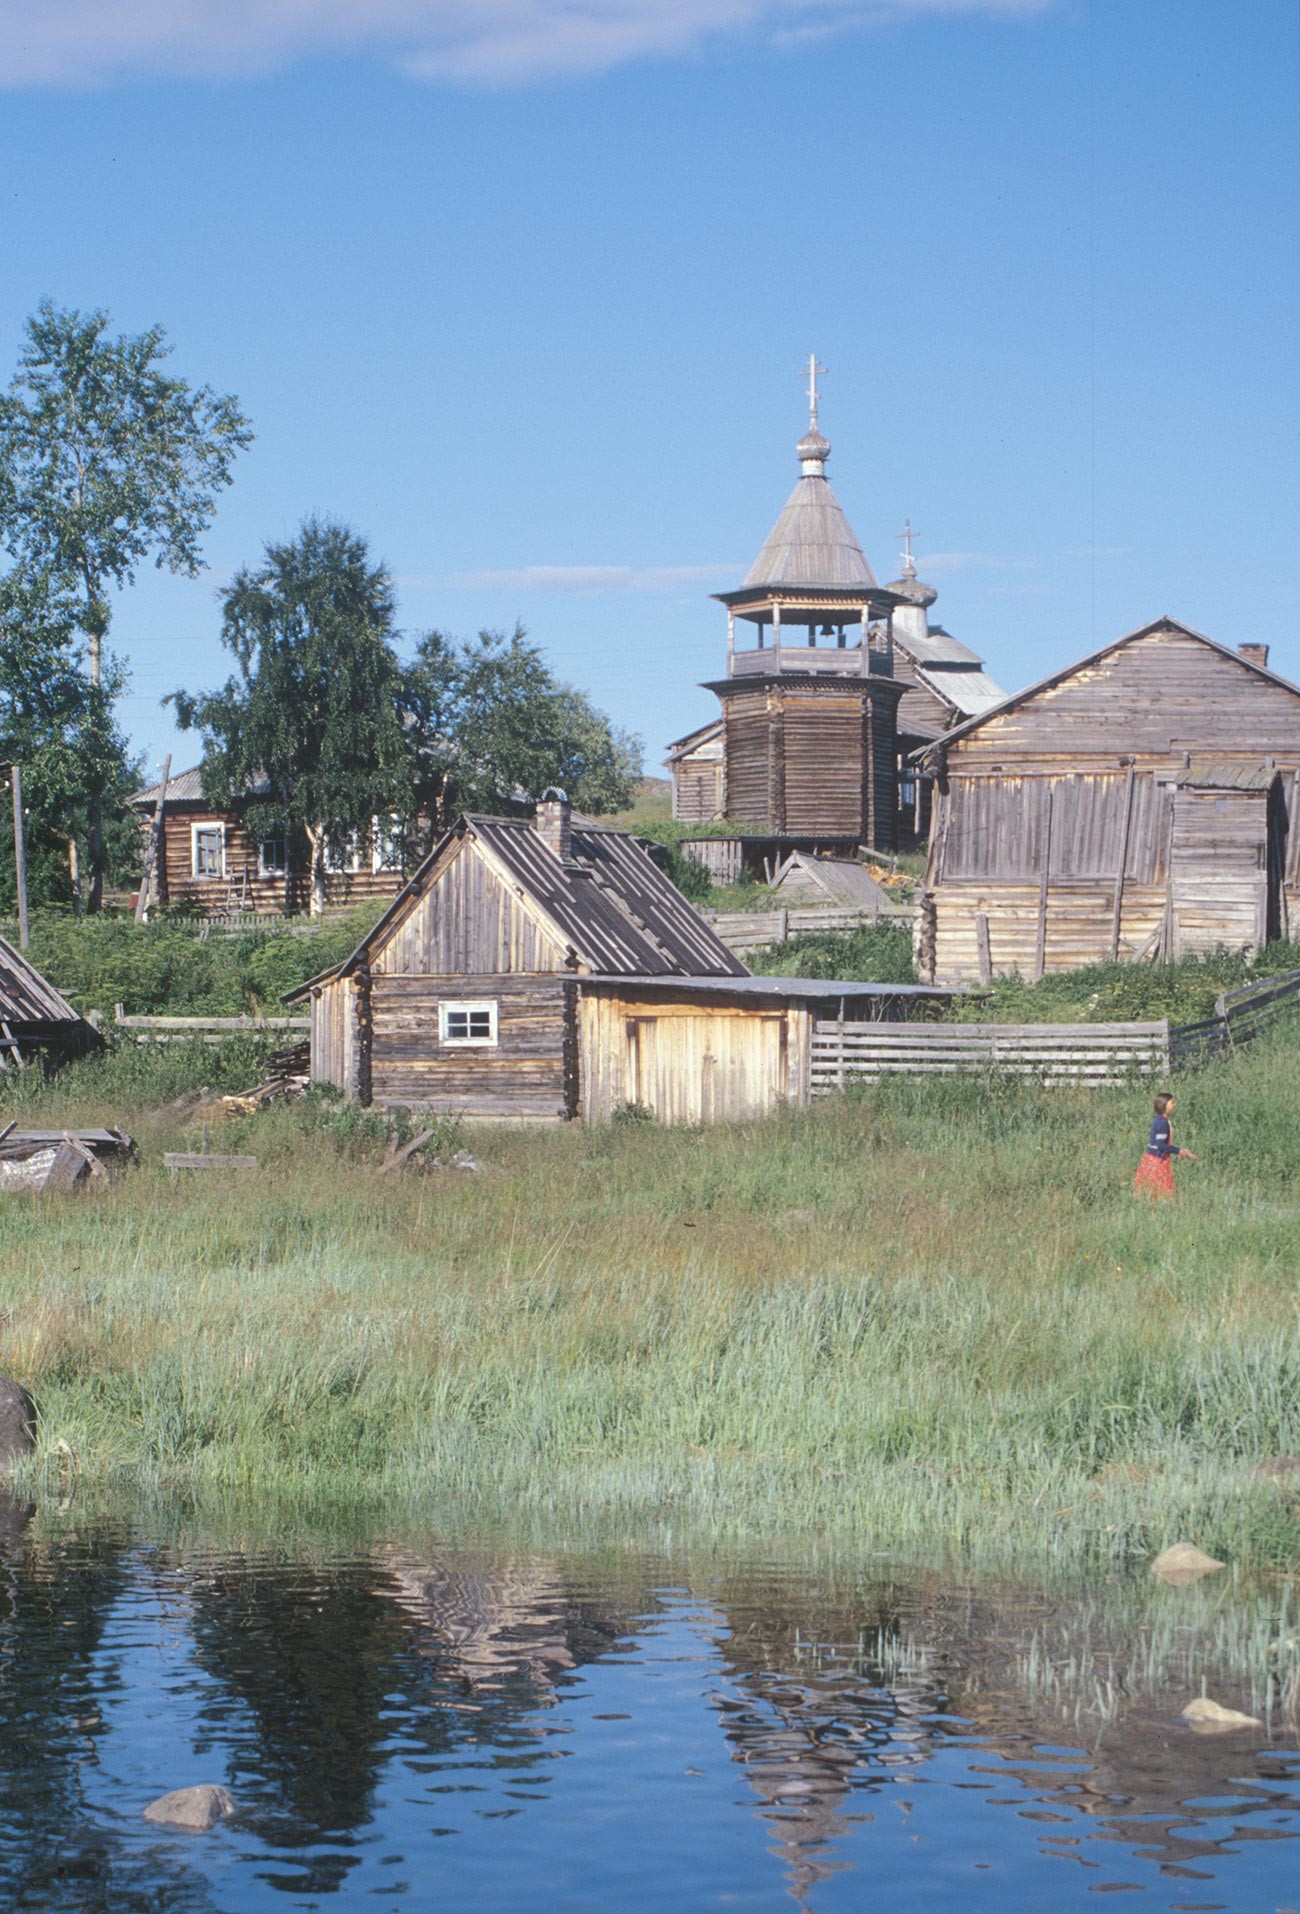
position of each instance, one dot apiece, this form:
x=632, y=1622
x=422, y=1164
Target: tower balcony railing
x=830, y=661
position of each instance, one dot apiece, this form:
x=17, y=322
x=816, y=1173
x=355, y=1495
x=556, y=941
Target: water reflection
x=410, y=1722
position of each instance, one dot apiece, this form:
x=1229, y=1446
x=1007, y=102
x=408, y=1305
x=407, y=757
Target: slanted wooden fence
x=1080, y=1052
x=207, y=1029
x=1238, y=1016
x=742, y=930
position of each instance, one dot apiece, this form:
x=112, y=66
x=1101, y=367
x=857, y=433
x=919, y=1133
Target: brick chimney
x=551, y=822
x=1254, y=654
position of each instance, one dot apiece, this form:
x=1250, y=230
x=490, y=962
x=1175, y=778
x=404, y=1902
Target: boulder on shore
x=1183, y=1562
x=1209, y=1718
x=198, y=1808
x=17, y=1422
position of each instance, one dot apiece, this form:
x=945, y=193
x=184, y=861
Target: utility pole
x=20, y=855
x=155, y=844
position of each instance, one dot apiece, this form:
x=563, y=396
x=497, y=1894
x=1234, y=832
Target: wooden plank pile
x=45, y=1162
x=288, y=1075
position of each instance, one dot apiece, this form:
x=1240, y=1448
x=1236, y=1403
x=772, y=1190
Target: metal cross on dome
x=907, y=535
x=813, y=370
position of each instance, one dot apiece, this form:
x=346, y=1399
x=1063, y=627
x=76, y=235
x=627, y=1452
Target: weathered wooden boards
x=56, y=1161
x=206, y=1160
x=1095, y=1053
x=689, y=1061
x=813, y=757
x=754, y=930
x=1238, y=1016
x=1141, y=803
x=206, y=1029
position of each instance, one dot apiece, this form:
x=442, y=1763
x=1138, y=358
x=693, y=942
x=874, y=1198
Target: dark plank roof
x=610, y=900
x=793, y=989
x=25, y=997
x=1081, y=664
x=1209, y=774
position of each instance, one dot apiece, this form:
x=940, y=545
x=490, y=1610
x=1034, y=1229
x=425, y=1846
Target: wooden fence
x=742, y=930
x=1238, y=1016
x=206, y=1029
x=1083, y=1052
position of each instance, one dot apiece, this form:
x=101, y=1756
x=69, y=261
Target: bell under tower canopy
x=811, y=574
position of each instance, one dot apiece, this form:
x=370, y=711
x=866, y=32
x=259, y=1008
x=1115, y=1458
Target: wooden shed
x=34, y=1019
x=546, y=969
x=832, y=881
x=1140, y=803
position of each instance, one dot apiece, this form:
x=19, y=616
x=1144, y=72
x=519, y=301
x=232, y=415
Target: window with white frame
x=343, y=855
x=272, y=857
x=386, y=843
x=468, y=1023
x=208, y=850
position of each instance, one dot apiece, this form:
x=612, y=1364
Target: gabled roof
x=186, y=787
x=842, y=878
x=1103, y=651
x=973, y=692
x=25, y=997
x=707, y=733
x=609, y=902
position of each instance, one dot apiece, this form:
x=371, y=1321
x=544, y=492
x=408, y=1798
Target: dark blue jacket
x=1160, y=1142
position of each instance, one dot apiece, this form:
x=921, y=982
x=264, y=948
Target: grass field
x=930, y=1313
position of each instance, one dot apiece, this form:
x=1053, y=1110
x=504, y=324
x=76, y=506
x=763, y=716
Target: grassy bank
x=932, y=1314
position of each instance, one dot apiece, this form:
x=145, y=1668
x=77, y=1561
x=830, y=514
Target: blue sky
x=521, y=289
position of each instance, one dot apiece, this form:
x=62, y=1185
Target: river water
x=408, y=1721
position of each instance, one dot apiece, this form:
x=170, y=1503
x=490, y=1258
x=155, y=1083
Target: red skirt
x=1155, y=1176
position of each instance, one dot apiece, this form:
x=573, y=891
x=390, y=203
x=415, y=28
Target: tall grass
x=932, y=1312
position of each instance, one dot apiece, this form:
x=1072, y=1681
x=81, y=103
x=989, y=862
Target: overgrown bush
x=1184, y=991
x=875, y=953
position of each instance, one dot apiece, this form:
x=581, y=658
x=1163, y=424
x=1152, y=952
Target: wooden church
x=832, y=681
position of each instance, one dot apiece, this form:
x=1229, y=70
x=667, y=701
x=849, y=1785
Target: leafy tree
x=61, y=732
x=313, y=719
x=105, y=461
x=490, y=723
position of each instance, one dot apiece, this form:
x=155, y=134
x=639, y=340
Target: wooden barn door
x=706, y=1067
x=1218, y=870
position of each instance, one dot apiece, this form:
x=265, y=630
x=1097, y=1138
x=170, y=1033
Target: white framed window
x=386, y=843
x=344, y=857
x=272, y=857
x=468, y=1023
x=208, y=850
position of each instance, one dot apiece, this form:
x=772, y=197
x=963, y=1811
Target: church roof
x=812, y=543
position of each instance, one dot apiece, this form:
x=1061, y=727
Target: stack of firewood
x=288, y=1075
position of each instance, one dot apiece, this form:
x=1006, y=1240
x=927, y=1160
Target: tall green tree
x=54, y=725
x=106, y=461
x=312, y=719
x=490, y=723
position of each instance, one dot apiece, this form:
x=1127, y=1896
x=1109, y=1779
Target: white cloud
x=468, y=42
x=585, y=579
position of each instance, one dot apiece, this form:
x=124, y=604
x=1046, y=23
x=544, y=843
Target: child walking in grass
x=1155, y=1173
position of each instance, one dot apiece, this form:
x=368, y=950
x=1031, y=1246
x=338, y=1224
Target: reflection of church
x=832, y=681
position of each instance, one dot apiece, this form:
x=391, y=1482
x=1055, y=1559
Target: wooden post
x=982, y=944
x=155, y=840
x=1123, y=860
x=1167, y=921
x=1040, y=951
x=776, y=632
x=20, y=855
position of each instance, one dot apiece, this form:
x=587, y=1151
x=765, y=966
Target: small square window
x=272, y=857
x=468, y=1023
x=343, y=856
x=208, y=850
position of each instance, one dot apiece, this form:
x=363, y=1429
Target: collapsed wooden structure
x=1144, y=802
x=34, y=1019
x=546, y=969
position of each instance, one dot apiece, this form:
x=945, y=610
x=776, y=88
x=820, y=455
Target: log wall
x=814, y=758
x=529, y=1073
x=242, y=887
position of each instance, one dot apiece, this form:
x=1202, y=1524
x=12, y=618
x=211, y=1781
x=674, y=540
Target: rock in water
x=17, y=1422
x=196, y=1808
x=1208, y=1718
x=1183, y=1562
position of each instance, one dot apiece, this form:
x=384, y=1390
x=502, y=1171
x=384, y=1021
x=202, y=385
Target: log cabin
x=211, y=862
x=544, y=969
x=1142, y=803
